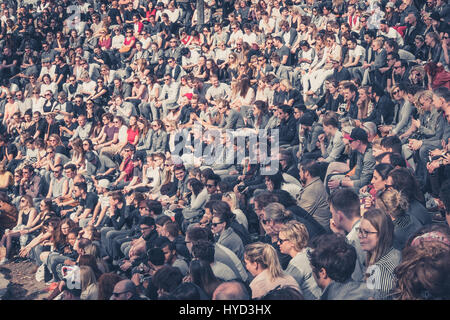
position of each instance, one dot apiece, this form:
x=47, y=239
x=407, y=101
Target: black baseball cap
x=357, y=134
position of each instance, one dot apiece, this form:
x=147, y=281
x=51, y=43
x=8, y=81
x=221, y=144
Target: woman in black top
x=331, y=99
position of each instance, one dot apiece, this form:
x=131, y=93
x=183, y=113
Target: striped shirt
x=381, y=274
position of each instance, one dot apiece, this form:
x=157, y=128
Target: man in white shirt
x=217, y=91
x=189, y=58
x=123, y=109
x=87, y=86
x=390, y=32
x=83, y=129
x=167, y=97
x=47, y=68
x=236, y=34
x=356, y=54
x=267, y=24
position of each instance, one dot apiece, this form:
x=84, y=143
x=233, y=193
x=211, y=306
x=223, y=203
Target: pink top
x=263, y=283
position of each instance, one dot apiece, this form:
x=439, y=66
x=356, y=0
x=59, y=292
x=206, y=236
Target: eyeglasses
x=116, y=294
x=215, y=224
x=281, y=241
x=265, y=221
x=364, y=233
x=395, y=91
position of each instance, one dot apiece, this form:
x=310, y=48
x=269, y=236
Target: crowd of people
x=350, y=100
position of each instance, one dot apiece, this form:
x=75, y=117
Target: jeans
x=54, y=259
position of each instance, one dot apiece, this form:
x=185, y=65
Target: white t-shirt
x=357, y=52
x=249, y=38
x=234, y=36
x=123, y=136
x=270, y=25
x=87, y=86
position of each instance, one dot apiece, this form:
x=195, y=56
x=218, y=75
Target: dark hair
x=334, y=254
x=215, y=178
x=203, y=250
x=199, y=233
x=277, y=179
x=264, y=198
x=81, y=185
x=154, y=206
x=187, y=291
x=156, y=256
x=311, y=166
x=196, y=185
x=70, y=166
x=162, y=220
x=285, y=198
x=444, y=195
x=285, y=293
x=346, y=201
x=383, y=169
x=106, y=284
x=148, y=221
x=167, y=278
x=222, y=210
x=407, y=184
x=330, y=120
x=203, y=276
x=392, y=142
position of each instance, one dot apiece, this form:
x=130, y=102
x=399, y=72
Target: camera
x=241, y=188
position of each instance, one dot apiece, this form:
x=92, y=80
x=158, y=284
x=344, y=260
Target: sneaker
x=4, y=261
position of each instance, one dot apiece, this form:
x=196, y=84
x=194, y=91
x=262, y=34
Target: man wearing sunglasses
x=124, y=290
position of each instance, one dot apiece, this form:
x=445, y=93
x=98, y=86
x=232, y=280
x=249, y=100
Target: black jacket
x=287, y=129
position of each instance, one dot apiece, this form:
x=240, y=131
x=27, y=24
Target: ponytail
x=270, y=258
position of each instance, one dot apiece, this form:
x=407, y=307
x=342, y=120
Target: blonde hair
x=266, y=256
x=277, y=213
x=297, y=233
x=286, y=83
x=232, y=197
x=392, y=202
x=426, y=94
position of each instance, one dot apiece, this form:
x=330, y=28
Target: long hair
x=106, y=284
x=244, y=85
x=197, y=186
x=262, y=107
x=87, y=277
x=385, y=228
x=203, y=276
x=266, y=256
x=363, y=108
